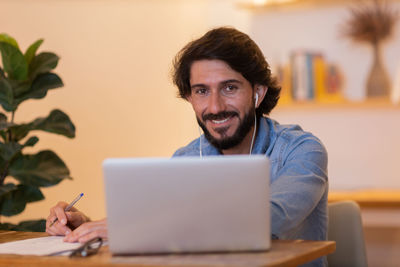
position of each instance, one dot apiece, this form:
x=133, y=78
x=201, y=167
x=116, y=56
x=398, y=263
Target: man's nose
x=216, y=103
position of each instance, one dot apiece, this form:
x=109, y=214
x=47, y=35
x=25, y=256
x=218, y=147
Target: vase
x=378, y=83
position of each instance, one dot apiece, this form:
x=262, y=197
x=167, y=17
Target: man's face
x=223, y=102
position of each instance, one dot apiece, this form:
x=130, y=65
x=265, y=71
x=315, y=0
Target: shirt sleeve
x=300, y=183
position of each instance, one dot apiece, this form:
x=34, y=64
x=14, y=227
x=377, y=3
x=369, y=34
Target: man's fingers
x=60, y=229
x=49, y=231
x=50, y=219
x=78, y=232
x=60, y=213
x=58, y=219
x=88, y=231
x=54, y=227
x=73, y=217
x=89, y=236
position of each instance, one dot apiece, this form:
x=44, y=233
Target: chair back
x=345, y=227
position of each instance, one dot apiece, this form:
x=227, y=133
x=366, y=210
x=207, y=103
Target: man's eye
x=230, y=88
x=201, y=91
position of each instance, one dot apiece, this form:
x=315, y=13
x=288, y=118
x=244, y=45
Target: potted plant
x=373, y=24
x=25, y=76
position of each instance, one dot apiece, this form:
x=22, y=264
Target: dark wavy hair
x=236, y=49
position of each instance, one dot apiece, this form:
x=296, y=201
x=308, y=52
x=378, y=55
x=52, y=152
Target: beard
x=227, y=142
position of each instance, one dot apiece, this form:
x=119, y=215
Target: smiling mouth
x=220, y=121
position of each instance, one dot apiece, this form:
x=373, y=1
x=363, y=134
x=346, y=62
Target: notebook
x=187, y=204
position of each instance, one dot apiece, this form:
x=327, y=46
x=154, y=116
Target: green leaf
x=31, y=141
x=2, y=74
x=31, y=193
x=6, y=188
x=42, y=63
x=13, y=62
x=40, y=86
x=4, y=37
x=42, y=169
x=3, y=118
x=19, y=131
x=31, y=51
x=9, y=150
x=3, y=135
x=57, y=122
x=6, y=95
x=11, y=203
x=20, y=87
x=14, y=198
x=4, y=125
x=32, y=226
x=26, y=226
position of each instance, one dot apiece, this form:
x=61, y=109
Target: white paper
x=41, y=246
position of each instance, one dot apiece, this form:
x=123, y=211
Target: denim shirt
x=298, y=180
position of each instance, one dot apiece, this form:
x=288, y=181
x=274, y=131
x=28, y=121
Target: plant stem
x=5, y=173
x=12, y=122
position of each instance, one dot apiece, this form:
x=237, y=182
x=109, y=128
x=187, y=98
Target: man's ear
x=261, y=91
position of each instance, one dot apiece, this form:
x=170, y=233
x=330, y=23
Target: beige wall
x=362, y=143
x=115, y=62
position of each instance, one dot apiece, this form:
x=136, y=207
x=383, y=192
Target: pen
x=67, y=208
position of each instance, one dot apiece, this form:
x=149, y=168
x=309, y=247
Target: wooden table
x=282, y=253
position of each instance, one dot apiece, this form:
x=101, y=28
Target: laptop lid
x=187, y=204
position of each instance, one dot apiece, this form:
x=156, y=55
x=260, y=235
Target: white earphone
x=256, y=98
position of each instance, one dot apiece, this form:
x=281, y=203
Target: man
x=226, y=79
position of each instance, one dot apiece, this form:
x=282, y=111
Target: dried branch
x=371, y=23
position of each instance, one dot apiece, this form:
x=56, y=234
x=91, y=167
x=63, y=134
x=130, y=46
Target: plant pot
x=378, y=83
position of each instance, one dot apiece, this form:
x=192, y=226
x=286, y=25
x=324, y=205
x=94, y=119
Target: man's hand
x=66, y=221
x=87, y=231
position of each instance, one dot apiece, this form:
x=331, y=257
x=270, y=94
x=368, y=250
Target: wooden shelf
x=380, y=104
x=369, y=198
x=250, y=5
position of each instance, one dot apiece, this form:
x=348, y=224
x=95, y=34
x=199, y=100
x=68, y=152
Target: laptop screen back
x=187, y=204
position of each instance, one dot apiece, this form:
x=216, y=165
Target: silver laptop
x=187, y=205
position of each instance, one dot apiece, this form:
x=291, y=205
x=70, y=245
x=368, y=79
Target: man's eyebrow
x=198, y=85
x=221, y=83
x=231, y=81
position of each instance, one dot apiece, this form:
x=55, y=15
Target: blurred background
x=116, y=60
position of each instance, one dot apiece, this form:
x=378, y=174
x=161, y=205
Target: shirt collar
x=263, y=136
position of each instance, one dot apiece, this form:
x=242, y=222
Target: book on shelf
x=309, y=77
x=284, y=71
